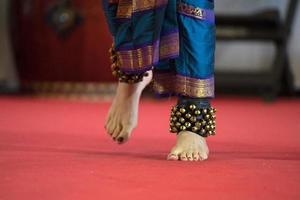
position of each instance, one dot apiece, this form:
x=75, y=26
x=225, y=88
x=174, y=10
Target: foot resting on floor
x=189, y=147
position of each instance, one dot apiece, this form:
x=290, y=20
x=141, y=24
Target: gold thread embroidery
x=135, y=59
x=139, y=5
x=191, y=10
x=148, y=55
x=171, y=83
x=194, y=87
x=127, y=7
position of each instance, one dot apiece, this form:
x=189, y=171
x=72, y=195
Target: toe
x=123, y=136
x=116, y=132
x=107, y=122
x=110, y=128
x=183, y=156
x=106, y=125
x=190, y=156
x=172, y=157
x=120, y=139
x=203, y=156
x=196, y=156
x=174, y=154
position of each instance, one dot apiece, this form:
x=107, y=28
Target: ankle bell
x=190, y=117
x=122, y=76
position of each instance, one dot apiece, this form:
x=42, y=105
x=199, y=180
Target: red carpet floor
x=58, y=149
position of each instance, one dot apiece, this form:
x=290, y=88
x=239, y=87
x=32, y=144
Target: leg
x=194, y=69
x=123, y=113
x=122, y=116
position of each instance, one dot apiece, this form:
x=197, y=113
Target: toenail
x=120, y=139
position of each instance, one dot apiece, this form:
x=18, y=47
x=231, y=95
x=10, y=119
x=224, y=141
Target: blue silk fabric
x=175, y=38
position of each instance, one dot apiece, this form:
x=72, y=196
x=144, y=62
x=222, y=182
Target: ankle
x=129, y=89
x=190, y=134
x=135, y=89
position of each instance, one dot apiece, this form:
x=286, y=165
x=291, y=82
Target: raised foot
x=189, y=147
x=123, y=113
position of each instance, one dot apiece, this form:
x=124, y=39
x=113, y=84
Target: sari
x=175, y=38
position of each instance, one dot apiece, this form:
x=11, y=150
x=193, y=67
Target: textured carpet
x=58, y=149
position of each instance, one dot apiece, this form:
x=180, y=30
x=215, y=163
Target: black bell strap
x=194, y=115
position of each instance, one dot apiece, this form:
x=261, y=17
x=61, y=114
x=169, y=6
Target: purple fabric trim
x=171, y=72
x=210, y=16
x=135, y=46
x=168, y=32
x=137, y=71
x=170, y=56
x=196, y=77
x=172, y=94
x=156, y=52
x=163, y=95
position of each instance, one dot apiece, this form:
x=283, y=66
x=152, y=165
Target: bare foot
x=123, y=114
x=189, y=147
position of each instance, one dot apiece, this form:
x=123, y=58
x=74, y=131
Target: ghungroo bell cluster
x=122, y=76
x=201, y=121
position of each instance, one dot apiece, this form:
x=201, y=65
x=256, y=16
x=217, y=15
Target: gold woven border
x=127, y=7
x=170, y=83
x=141, y=5
x=136, y=59
x=195, y=87
x=169, y=45
x=148, y=55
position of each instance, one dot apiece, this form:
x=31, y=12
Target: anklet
x=122, y=76
x=190, y=117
